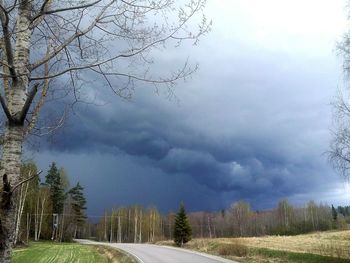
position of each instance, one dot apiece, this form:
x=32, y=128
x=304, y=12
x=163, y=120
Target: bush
x=233, y=249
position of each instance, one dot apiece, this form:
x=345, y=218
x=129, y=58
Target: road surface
x=146, y=253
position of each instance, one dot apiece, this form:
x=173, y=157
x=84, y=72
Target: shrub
x=233, y=249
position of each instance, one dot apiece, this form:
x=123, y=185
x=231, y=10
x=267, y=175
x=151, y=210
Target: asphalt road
x=146, y=253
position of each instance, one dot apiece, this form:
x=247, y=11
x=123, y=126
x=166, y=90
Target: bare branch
x=48, y=12
x=5, y=108
x=7, y=40
x=25, y=180
x=42, y=99
x=45, y=6
x=27, y=103
x=77, y=34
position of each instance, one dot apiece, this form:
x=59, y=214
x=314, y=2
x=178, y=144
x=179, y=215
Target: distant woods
x=138, y=224
x=49, y=210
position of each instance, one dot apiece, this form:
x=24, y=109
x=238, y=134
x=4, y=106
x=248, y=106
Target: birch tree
x=43, y=41
x=20, y=205
x=41, y=201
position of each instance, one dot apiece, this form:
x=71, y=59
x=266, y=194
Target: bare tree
x=241, y=213
x=45, y=40
x=339, y=153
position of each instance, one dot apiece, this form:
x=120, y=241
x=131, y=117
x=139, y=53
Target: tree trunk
x=41, y=217
x=20, y=207
x=12, y=152
x=135, y=226
x=140, y=227
x=112, y=227
x=14, y=134
x=105, y=228
x=36, y=219
x=28, y=227
x=62, y=228
x=209, y=228
x=119, y=238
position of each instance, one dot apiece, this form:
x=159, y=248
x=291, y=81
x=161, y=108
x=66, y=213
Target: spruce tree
x=182, y=227
x=53, y=181
x=334, y=214
x=78, y=204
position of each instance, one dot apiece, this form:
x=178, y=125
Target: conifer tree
x=182, y=228
x=53, y=180
x=334, y=214
x=78, y=204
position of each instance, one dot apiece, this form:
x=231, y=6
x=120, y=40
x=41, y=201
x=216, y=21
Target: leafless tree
x=339, y=153
x=44, y=41
x=241, y=213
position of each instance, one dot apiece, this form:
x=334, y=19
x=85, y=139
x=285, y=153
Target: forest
x=138, y=224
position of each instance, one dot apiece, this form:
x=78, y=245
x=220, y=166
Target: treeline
x=343, y=210
x=239, y=220
x=138, y=224
x=132, y=224
x=49, y=209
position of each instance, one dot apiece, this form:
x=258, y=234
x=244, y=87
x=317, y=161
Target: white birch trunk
x=119, y=238
x=22, y=200
x=28, y=226
x=36, y=219
x=14, y=134
x=105, y=228
x=111, y=229
x=11, y=162
x=41, y=216
x=135, y=226
x=140, y=227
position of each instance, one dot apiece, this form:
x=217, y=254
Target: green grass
x=49, y=252
x=286, y=256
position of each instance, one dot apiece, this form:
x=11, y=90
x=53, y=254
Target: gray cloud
x=253, y=123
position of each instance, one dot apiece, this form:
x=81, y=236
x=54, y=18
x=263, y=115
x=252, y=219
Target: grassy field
x=49, y=252
x=331, y=246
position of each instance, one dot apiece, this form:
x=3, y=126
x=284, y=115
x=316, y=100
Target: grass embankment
x=327, y=247
x=44, y=252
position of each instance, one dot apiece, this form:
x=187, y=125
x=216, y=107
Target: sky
x=252, y=123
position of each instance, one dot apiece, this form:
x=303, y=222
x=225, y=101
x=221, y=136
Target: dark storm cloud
x=252, y=123
x=163, y=141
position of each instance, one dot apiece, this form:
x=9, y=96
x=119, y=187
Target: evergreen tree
x=182, y=227
x=53, y=180
x=78, y=204
x=341, y=210
x=334, y=213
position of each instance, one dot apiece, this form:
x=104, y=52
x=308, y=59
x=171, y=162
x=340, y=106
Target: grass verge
x=51, y=252
x=261, y=255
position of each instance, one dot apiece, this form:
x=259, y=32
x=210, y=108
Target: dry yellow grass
x=330, y=243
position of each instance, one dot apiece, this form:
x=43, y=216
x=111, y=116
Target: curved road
x=146, y=253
